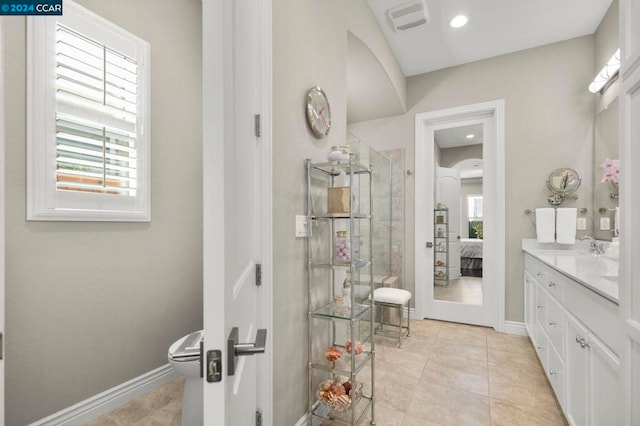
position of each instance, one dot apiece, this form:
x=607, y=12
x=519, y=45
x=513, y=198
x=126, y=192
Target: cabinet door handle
x=539, y=306
x=552, y=323
x=538, y=274
x=540, y=347
x=582, y=342
x=552, y=373
x=551, y=284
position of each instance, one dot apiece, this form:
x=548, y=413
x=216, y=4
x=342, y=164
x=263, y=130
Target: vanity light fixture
x=471, y=136
x=606, y=74
x=458, y=21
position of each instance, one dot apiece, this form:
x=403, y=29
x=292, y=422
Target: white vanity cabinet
x=574, y=332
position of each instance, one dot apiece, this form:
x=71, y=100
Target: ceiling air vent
x=408, y=16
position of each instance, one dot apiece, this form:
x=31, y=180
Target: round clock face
x=318, y=112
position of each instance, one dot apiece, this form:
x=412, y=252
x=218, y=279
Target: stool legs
x=400, y=326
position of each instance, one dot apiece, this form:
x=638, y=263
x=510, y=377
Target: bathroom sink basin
x=613, y=278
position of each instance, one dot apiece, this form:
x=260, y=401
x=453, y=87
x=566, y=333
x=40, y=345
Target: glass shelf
x=330, y=312
x=336, y=167
x=327, y=264
x=361, y=406
x=342, y=366
x=341, y=216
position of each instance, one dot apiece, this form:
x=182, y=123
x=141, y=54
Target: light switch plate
x=582, y=224
x=302, y=226
x=605, y=224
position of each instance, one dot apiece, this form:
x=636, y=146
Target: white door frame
x=216, y=122
x=2, y=216
x=494, y=158
x=630, y=208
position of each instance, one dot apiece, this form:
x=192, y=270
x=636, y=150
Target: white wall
x=549, y=124
x=92, y=305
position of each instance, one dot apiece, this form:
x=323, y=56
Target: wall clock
x=318, y=112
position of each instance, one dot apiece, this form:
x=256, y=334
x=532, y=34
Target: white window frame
x=44, y=201
x=469, y=198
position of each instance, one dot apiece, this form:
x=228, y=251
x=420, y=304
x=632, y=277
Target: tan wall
x=452, y=156
x=92, y=305
x=549, y=124
x=309, y=50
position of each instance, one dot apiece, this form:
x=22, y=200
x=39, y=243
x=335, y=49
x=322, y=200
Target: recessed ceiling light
x=458, y=21
x=471, y=136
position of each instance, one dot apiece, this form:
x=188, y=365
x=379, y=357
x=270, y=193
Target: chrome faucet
x=596, y=249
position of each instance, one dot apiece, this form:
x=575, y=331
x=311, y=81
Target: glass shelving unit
x=339, y=324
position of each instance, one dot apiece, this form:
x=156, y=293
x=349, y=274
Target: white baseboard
x=515, y=327
x=107, y=401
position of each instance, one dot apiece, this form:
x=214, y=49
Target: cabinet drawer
x=541, y=306
x=554, y=283
x=553, y=325
x=555, y=372
x=551, y=280
x=596, y=313
x=535, y=268
x=541, y=346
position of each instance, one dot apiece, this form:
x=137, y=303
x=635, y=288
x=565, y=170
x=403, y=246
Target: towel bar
x=603, y=210
x=581, y=210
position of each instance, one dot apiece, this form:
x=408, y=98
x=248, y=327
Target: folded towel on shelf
x=545, y=225
x=566, y=219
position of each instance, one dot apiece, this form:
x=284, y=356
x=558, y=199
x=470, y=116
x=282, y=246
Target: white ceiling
x=495, y=27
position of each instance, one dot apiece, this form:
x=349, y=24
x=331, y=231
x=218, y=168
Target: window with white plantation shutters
x=88, y=113
x=96, y=100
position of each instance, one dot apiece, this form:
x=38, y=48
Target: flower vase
x=615, y=189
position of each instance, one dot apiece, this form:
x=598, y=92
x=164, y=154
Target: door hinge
x=258, y=418
x=258, y=274
x=257, y=125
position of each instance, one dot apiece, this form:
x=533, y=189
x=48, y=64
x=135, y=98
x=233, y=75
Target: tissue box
x=338, y=200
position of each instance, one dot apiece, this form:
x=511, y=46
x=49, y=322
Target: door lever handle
x=235, y=349
x=253, y=348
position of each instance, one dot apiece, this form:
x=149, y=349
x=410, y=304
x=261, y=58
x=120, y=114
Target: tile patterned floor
x=445, y=374
x=161, y=407
x=464, y=290
x=455, y=374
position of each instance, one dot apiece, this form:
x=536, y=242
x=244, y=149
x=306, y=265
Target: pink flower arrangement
x=611, y=171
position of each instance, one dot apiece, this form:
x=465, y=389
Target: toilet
x=184, y=357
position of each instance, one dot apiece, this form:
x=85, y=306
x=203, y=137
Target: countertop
x=597, y=273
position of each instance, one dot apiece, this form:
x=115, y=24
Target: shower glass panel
x=381, y=195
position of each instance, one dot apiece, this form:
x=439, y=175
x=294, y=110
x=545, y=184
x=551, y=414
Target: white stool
x=393, y=298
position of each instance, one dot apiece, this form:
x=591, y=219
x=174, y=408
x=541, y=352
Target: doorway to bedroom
x=460, y=237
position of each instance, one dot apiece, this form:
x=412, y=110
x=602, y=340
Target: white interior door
x=490, y=311
x=448, y=193
x=235, y=205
